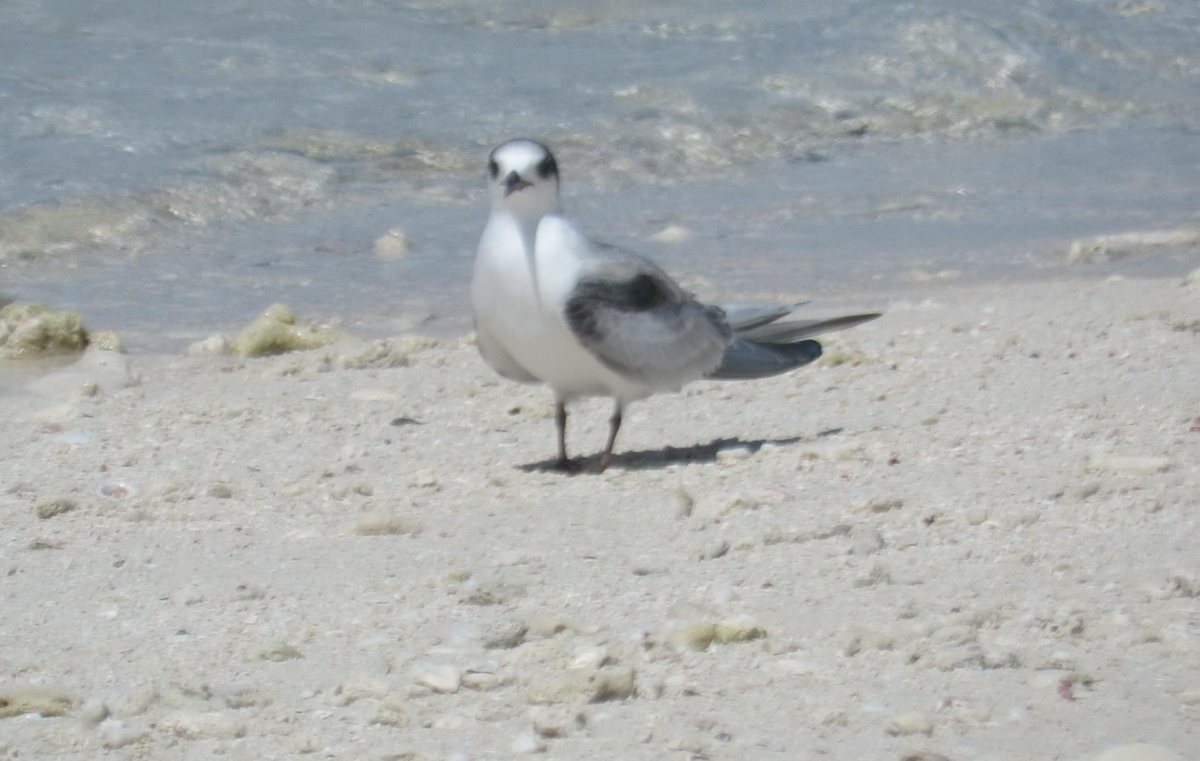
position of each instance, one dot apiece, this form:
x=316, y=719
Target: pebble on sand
x=1134, y=465
x=1183, y=583
x=501, y=633
x=741, y=628
x=731, y=455
x=490, y=591
x=671, y=234
x=528, y=742
x=691, y=743
x=93, y=711
x=878, y=505
x=211, y=346
x=910, y=723
x=442, y=678
x=424, y=478
x=680, y=503
x=608, y=683
x=393, y=712
x=115, y=733
x=865, y=540
x=355, y=690
x=544, y=626
x=211, y=725
x=382, y=524
x=53, y=507
x=393, y=245
x=857, y=640
x=696, y=636
x=484, y=681
x=35, y=700
x=590, y=657
x=713, y=549
x=550, y=721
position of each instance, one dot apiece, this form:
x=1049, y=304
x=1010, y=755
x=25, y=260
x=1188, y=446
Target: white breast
x=519, y=291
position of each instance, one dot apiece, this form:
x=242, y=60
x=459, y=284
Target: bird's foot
x=574, y=467
x=567, y=466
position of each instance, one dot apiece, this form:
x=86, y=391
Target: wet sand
x=970, y=530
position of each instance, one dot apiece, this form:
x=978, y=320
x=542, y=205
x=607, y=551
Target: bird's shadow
x=653, y=459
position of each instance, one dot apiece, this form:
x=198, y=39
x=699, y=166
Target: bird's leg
x=560, y=422
x=614, y=425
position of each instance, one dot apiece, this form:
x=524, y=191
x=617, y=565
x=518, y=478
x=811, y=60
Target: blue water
x=171, y=168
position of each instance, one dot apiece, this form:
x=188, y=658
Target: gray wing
x=632, y=317
x=788, y=331
x=743, y=317
x=636, y=320
x=747, y=360
x=763, y=347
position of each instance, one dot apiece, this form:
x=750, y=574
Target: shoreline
x=969, y=530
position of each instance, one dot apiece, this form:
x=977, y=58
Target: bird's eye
x=547, y=167
x=493, y=169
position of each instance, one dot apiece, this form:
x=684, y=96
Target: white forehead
x=520, y=154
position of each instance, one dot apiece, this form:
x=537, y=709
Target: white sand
x=977, y=536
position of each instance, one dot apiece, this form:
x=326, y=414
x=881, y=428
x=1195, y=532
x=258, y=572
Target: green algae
x=276, y=332
x=35, y=330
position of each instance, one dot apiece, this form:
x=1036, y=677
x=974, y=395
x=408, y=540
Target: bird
x=589, y=319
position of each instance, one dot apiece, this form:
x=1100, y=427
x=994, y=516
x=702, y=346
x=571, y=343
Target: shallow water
x=170, y=169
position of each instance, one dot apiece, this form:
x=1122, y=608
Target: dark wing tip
x=745, y=359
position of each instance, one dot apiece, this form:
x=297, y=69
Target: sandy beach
x=971, y=531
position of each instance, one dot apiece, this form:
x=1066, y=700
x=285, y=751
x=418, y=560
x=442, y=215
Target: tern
x=587, y=319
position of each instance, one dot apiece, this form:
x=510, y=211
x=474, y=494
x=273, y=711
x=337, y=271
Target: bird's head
x=523, y=178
